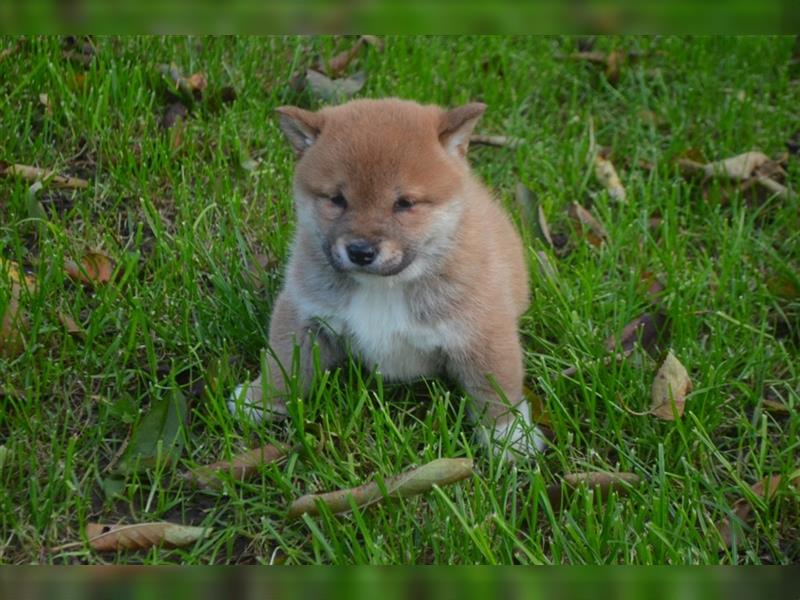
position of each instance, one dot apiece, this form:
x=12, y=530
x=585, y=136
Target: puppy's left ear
x=457, y=126
x=301, y=127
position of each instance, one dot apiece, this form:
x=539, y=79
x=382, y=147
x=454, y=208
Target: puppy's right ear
x=301, y=127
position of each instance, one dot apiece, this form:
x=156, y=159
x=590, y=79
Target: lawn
x=197, y=218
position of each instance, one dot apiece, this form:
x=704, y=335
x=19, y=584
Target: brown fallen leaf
x=775, y=407
x=95, y=267
x=587, y=223
x=648, y=329
x=334, y=90
x=48, y=176
x=603, y=482
x=651, y=285
x=498, y=141
x=71, y=325
x=442, y=471
x=670, y=387
x=337, y=65
x=741, y=509
x=191, y=86
x=240, y=467
x=784, y=286
x=110, y=538
x=13, y=323
x=738, y=167
x=607, y=175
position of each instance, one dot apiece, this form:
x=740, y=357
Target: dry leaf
x=494, y=140
x=670, y=387
x=439, y=472
x=739, y=167
x=29, y=173
x=12, y=324
x=648, y=330
x=775, y=407
x=240, y=467
x=44, y=100
x=110, y=538
x=776, y=188
x=334, y=90
x=594, y=230
x=603, y=483
x=741, y=509
x=607, y=175
x=192, y=86
x=538, y=413
x=71, y=325
x=95, y=267
x=260, y=264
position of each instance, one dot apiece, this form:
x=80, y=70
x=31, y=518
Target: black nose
x=361, y=252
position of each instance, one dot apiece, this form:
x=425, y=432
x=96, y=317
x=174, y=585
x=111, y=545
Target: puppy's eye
x=339, y=200
x=403, y=204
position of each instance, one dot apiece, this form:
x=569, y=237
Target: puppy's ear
x=301, y=127
x=457, y=126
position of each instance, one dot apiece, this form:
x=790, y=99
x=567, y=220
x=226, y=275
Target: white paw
x=518, y=437
x=246, y=401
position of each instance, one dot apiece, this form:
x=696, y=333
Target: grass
x=184, y=221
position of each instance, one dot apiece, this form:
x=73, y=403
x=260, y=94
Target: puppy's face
x=378, y=182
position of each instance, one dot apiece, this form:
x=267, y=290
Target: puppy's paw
x=249, y=402
x=517, y=438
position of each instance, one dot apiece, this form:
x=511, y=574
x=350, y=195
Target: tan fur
x=449, y=282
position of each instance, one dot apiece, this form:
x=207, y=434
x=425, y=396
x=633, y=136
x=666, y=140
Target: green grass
x=184, y=224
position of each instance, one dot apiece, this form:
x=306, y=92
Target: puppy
x=402, y=258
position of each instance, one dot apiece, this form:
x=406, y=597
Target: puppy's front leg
x=265, y=397
x=505, y=418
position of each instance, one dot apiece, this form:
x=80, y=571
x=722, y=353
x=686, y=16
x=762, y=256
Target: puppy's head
x=378, y=182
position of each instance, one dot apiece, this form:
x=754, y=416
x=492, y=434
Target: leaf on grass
x=13, y=323
x=337, y=65
x=775, y=407
x=649, y=330
x=44, y=100
x=239, y=467
x=738, y=167
x=784, y=286
x=48, y=176
x=670, y=387
x=95, y=267
x=159, y=435
x=587, y=223
x=742, y=507
x=110, y=538
x=71, y=325
x=334, y=90
x=651, y=285
x=191, y=86
x=602, y=482
x=538, y=414
x=499, y=141
x=607, y=175
x=442, y=471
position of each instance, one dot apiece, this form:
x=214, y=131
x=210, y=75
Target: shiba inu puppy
x=402, y=258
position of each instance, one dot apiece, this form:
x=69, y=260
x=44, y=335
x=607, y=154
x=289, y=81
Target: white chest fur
x=380, y=328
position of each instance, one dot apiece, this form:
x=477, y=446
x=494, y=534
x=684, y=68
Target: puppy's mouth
x=381, y=267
